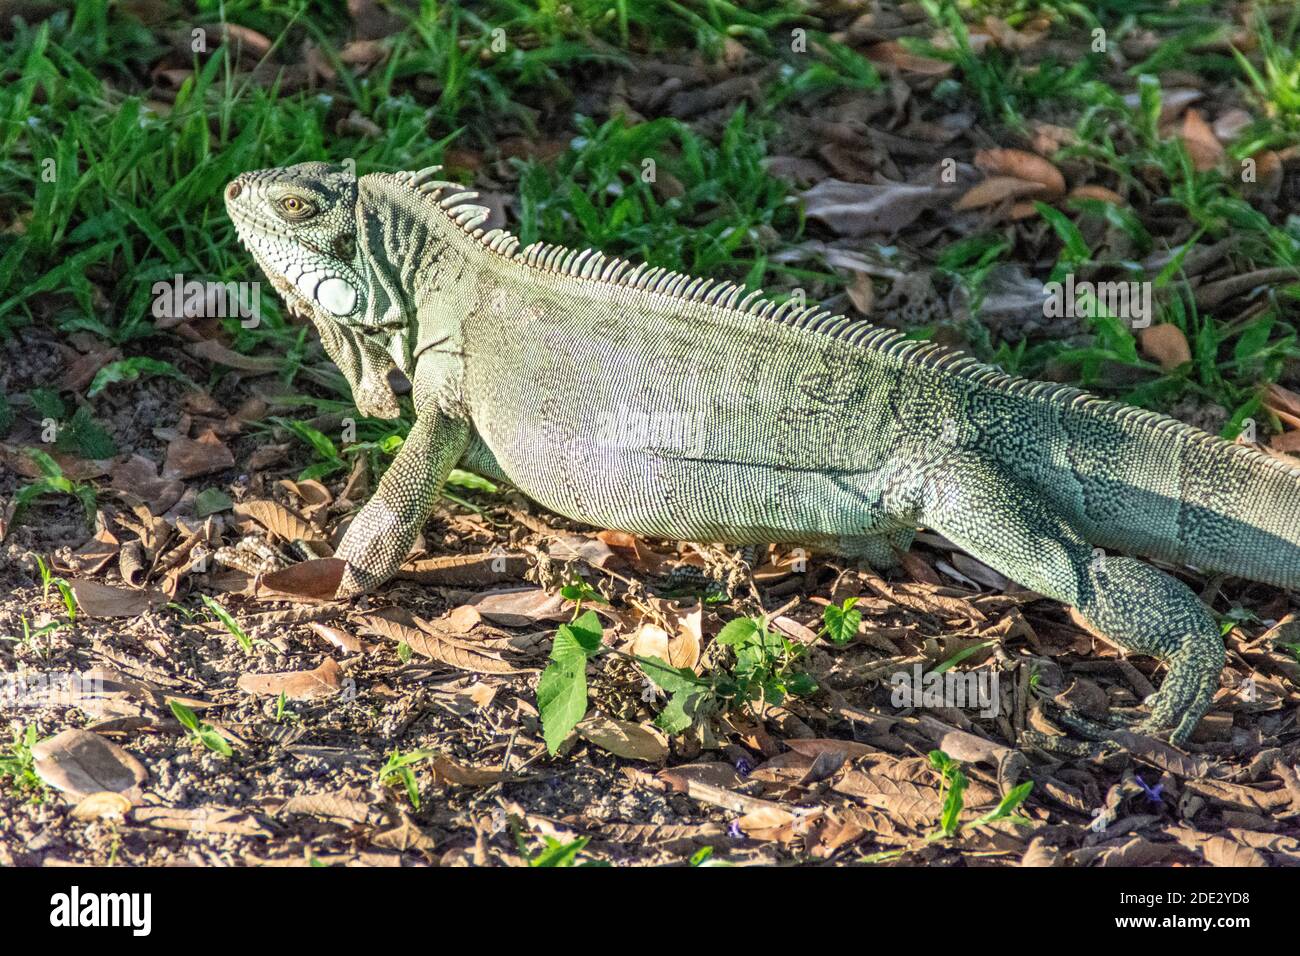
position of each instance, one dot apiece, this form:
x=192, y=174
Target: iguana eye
x=296, y=208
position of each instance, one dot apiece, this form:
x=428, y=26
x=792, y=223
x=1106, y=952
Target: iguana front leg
x=984, y=509
x=365, y=365
x=383, y=531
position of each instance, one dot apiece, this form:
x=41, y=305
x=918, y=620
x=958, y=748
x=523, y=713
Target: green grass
x=659, y=192
x=104, y=192
x=1275, y=84
x=18, y=767
x=1233, y=357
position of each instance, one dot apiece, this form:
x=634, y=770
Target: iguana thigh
x=880, y=551
x=981, y=507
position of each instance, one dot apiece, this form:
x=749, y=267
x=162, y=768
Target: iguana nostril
x=233, y=190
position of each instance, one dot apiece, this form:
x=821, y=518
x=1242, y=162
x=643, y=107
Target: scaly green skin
x=662, y=405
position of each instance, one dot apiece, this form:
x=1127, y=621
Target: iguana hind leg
x=1147, y=611
x=880, y=551
x=985, y=510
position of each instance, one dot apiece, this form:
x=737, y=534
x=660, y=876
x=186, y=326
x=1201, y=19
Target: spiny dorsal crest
x=457, y=201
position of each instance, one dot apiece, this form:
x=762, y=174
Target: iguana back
x=692, y=410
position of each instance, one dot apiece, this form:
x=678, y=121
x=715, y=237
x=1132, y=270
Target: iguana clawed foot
x=725, y=571
x=254, y=556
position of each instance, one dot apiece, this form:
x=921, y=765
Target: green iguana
x=643, y=400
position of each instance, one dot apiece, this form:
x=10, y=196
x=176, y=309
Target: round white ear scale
x=336, y=296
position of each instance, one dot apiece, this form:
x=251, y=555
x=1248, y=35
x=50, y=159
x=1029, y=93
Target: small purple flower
x=1153, y=793
x=744, y=767
x=733, y=831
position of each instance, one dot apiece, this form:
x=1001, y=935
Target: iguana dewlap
x=656, y=403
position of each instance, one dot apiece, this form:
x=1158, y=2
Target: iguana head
x=306, y=228
x=300, y=224
x=356, y=256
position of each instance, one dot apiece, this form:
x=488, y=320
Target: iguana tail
x=1174, y=492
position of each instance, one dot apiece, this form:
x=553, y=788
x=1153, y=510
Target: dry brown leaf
x=1138, y=851
x=191, y=457
x=577, y=547
x=316, y=580
x=91, y=557
x=335, y=805
x=1100, y=193
x=446, y=770
x=1167, y=344
x=462, y=620
x=72, y=467
x=336, y=637
x=713, y=773
x=995, y=190
x=138, y=476
x=279, y=520
x=1229, y=124
x=672, y=837
x=103, y=600
x=1269, y=174
x=1173, y=100
x=1048, y=138
x=443, y=648
x=318, y=684
x=909, y=804
x=768, y=823
x=363, y=53
x=860, y=209
x=519, y=607
x=635, y=551
x=207, y=819
x=890, y=53
x=785, y=769
x=1287, y=442
x=79, y=763
x=624, y=738
x=404, y=837
x=465, y=570
x=1018, y=164
x=246, y=41
x=680, y=649
x=1283, y=402
x=794, y=630
x=1202, y=145
x=313, y=495
x=104, y=805
x=1023, y=209
x=815, y=746
x=1159, y=754
x=1009, y=38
